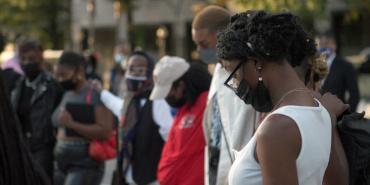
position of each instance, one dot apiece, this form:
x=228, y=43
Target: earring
x=259, y=69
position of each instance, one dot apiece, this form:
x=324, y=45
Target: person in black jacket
x=17, y=167
x=34, y=99
x=342, y=77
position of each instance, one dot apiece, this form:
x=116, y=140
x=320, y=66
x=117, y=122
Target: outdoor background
x=164, y=26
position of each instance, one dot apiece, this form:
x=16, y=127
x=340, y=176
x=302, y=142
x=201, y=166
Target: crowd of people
x=264, y=111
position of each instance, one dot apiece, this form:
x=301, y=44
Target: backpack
x=354, y=131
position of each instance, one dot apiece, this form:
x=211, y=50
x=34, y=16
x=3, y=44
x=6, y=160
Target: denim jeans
x=76, y=165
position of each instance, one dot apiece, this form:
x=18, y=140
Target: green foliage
x=34, y=18
x=355, y=9
x=307, y=9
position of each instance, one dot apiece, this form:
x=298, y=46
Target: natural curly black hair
x=197, y=80
x=272, y=37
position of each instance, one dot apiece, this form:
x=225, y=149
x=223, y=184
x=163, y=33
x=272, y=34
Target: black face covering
x=31, y=70
x=68, y=85
x=175, y=103
x=259, y=97
x=134, y=84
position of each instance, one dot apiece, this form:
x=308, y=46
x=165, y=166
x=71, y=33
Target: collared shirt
x=33, y=84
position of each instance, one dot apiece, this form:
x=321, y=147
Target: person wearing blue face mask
x=117, y=74
x=228, y=123
x=342, y=77
x=119, y=58
x=205, y=26
x=145, y=123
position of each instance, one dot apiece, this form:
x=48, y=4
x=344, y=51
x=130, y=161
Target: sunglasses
x=231, y=81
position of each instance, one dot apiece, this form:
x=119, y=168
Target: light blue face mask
x=119, y=58
x=208, y=55
x=326, y=51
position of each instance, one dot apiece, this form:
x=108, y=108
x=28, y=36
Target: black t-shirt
x=77, y=98
x=24, y=108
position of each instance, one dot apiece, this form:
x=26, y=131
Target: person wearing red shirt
x=185, y=87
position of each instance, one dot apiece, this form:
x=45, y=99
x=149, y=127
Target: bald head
x=213, y=18
x=205, y=26
x=207, y=23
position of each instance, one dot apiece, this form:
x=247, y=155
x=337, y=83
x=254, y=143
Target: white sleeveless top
x=314, y=125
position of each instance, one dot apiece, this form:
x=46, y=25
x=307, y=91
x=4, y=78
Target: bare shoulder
x=278, y=125
x=279, y=132
x=277, y=149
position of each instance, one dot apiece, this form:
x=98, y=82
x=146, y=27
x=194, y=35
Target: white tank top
x=314, y=125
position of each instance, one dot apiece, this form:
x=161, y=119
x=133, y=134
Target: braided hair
x=271, y=37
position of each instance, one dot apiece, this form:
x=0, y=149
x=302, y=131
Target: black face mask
x=259, y=97
x=175, y=103
x=31, y=70
x=134, y=85
x=68, y=85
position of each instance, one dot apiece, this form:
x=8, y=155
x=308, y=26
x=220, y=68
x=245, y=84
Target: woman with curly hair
x=293, y=143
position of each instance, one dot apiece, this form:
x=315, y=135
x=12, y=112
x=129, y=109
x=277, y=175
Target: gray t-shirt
x=86, y=96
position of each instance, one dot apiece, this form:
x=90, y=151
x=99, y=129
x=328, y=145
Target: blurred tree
x=2, y=42
x=307, y=9
x=36, y=18
x=355, y=9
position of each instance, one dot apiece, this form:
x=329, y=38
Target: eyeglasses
x=231, y=80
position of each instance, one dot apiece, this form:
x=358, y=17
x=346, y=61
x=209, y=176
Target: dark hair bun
x=267, y=36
